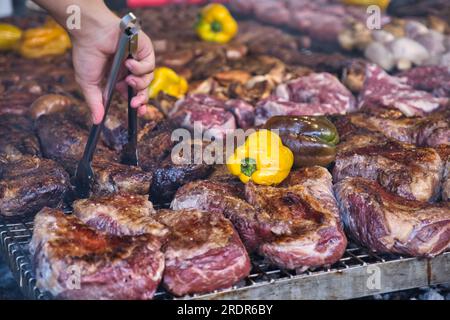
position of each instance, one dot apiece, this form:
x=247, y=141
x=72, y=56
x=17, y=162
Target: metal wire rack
x=358, y=273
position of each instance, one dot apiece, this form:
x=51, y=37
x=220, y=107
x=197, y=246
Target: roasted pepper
x=167, y=81
x=216, y=24
x=383, y=4
x=262, y=159
x=9, y=36
x=312, y=139
x=50, y=39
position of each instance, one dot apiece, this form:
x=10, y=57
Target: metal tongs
x=127, y=47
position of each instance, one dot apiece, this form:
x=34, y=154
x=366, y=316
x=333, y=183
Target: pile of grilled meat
x=388, y=188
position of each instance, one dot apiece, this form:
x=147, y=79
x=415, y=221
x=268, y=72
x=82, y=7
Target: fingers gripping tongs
x=127, y=46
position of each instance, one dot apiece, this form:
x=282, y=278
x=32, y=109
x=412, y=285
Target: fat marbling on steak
x=388, y=223
x=380, y=90
x=204, y=252
x=294, y=225
x=29, y=183
x=74, y=261
x=409, y=171
x=120, y=214
x=313, y=94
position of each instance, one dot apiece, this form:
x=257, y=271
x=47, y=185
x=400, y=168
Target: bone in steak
x=381, y=90
x=17, y=137
x=411, y=172
x=314, y=94
x=295, y=225
x=204, y=252
x=110, y=267
x=120, y=214
x=387, y=223
x=29, y=183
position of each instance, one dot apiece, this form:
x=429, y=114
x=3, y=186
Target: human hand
x=93, y=49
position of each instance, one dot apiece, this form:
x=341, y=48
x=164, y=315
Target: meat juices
x=204, y=252
x=411, y=172
x=29, y=183
x=295, y=225
x=110, y=267
x=387, y=223
x=314, y=94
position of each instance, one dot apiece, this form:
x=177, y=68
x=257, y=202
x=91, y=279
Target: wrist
x=94, y=25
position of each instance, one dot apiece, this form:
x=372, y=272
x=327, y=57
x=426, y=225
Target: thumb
x=93, y=95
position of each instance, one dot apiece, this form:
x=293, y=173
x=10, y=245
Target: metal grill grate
x=345, y=279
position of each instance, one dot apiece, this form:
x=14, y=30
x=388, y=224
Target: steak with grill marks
x=411, y=172
x=29, y=183
x=388, y=223
x=294, y=225
x=204, y=252
x=110, y=267
x=120, y=214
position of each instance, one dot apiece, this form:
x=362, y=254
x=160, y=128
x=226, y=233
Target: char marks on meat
x=411, y=172
x=204, y=252
x=29, y=183
x=120, y=214
x=17, y=137
x=381, y=90
x=387, y=223
x=314, y=94
x=110, y=267
x=294, y=225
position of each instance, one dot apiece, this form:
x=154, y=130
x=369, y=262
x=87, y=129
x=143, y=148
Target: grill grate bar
x=15, y=236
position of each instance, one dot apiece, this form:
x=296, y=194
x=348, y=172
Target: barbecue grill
x=357, y=274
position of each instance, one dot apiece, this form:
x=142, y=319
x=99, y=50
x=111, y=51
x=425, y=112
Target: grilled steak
x=223, y=197
x=74, y=261
x=444, y=152
x=120, y=214
x=204, y=252
x=210, y=112
x=299, y=221
x=429, y=131
x=411, y=172
x=175, y=171
x=387, y=223
x=154, y=144
x=17, y=137
x=30, y=183
x=435, y=79
x=295, y=225
x=63, y=141
x=381, y=90
x=314, y=94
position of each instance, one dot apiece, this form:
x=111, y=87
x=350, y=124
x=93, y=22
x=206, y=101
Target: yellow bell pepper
x=262, y=159
x=50, y=39
x=9, y=36
x=383, y=4
x=167, y=81
x=216, y=24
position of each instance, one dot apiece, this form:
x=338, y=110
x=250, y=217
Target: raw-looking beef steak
x=105, y=266
x=204, y=252
x=435, y=79
x=409, y=171
x=387, y=223
x=381, y=90
x=313, y=94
